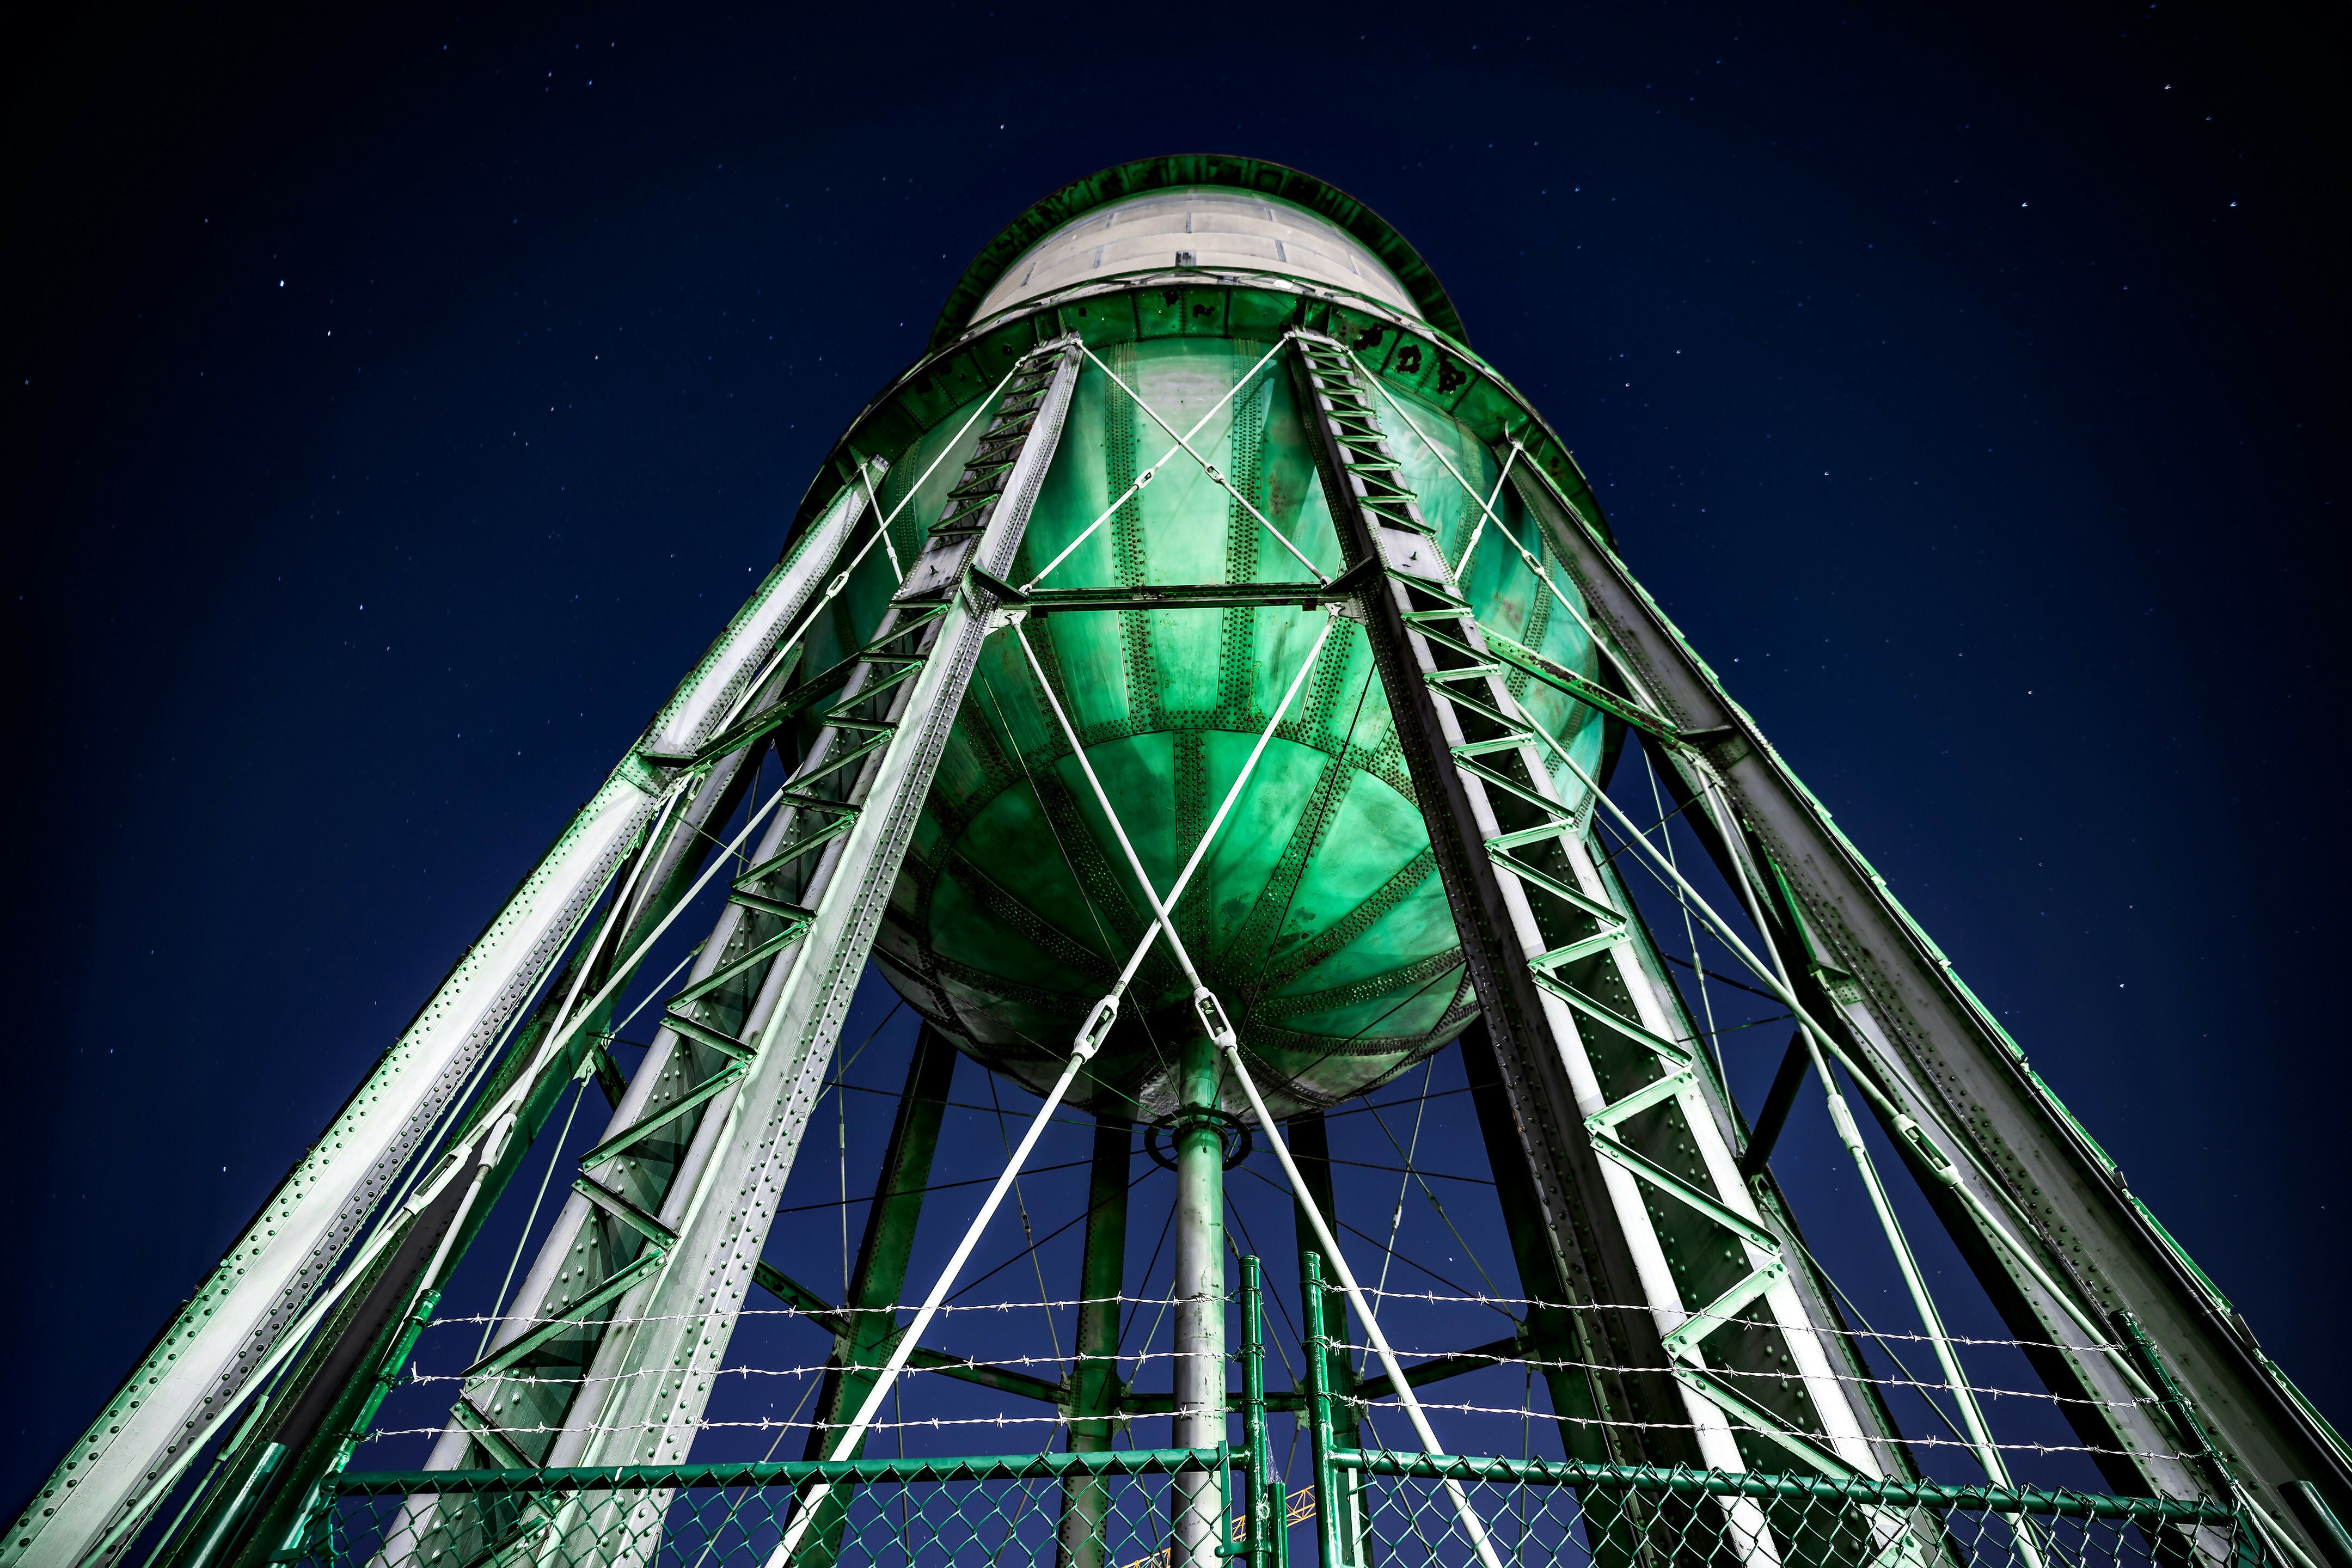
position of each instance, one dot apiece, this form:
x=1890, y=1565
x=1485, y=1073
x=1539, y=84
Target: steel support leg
x=199, y=1367
x=2037, y=1209
x=879, y=1279
x=1643, y=1200
x=1310, y=1146
x=1094, y=1385
x=634, y=1300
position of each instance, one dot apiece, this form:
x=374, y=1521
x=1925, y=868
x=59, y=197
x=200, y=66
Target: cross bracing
x=1431, y=581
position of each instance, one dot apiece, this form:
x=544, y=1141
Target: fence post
x=1329, y=1553
x=1265, y=1507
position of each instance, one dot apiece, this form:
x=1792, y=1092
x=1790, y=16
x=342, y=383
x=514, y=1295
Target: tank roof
x=1175, y=170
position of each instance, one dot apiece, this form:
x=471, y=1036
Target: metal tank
x=1317, y=914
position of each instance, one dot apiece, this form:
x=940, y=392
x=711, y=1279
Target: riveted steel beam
x=1537, y=964
x=715, y=1173
x=2042, y=1212
x=868, y=1320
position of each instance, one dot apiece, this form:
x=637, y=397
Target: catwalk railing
x=1113, y=1510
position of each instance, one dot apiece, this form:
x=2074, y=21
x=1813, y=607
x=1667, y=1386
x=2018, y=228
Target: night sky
x=397, y=406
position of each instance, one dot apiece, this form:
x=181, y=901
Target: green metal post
x=1310, y=1147
x=1199, y=1286
x=1330, y=1541
x=1094, y=1386
x=880, y=1276
x=1262, y=1490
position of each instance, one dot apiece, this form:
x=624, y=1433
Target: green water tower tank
x=1317, y=917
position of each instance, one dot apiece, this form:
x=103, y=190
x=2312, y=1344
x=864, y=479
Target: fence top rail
x=610, y=1477
x=1719, y=1483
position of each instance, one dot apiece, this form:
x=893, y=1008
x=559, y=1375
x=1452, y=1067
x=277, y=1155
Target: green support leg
x=880, y=1276
x=1613, y=1520
x=1332, y=1541
x=1094, y=1385
x=1263, y=1488
x=1337, y=1502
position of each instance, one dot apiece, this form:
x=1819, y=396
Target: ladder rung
x=734, y=968
x=614, y=1285
x=1487, y=748
x=1691, y=1196
x=1716, y=1313
x=1610, y=1019
x=1549, y=831
x=1470, y=764
x=629, y=1137
x=1433, y=620
x=1642, y=1099
x=842, y=759
x=791, y=852
x=1583, y=947
x=798, y=801
x=798, y=914
x=1489, y=712
x=1556, y=888
x=719, y=1040
x=627, y=1212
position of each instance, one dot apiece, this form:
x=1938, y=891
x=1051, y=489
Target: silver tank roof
x=1216, y=228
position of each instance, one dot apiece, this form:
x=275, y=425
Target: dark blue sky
x=396, y=405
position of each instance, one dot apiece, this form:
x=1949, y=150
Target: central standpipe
x=1199, y=1287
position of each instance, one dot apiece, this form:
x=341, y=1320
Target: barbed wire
x=1427, y=1296
x=1056, y=1419
x=535, y=1324
x=959, y=1364
x=1460, y=1301
x=1522, y=1411
x=1542, y=1364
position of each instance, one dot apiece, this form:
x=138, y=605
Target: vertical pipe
x=879, y=1278
x=1329, y=1550
x=1264, y=1511
x=1310, y=1149
x=1093, y=1375
x=1199, y=1287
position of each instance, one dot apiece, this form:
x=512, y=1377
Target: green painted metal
x=1318, y=916
x=1198, y=1282
x=1263, y=1511
x=319, y=1421
x=1751, y=1484
x=1551, y=1333
x=1331, y=1377
x=869, y=1320
x=2319, y=1521
x=1334, y=1544
x=1094, y=1383
x=1721, y=1483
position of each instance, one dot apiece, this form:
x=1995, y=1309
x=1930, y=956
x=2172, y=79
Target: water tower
x=1197, y=686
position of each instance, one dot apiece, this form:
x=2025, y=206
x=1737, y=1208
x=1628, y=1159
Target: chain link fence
x=1176, y=1507
x=1123, y=1508
x=1424, y=1511
x=1201, y=1508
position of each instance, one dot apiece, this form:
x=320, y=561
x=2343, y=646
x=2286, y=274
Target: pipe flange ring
x=1232, y=1129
